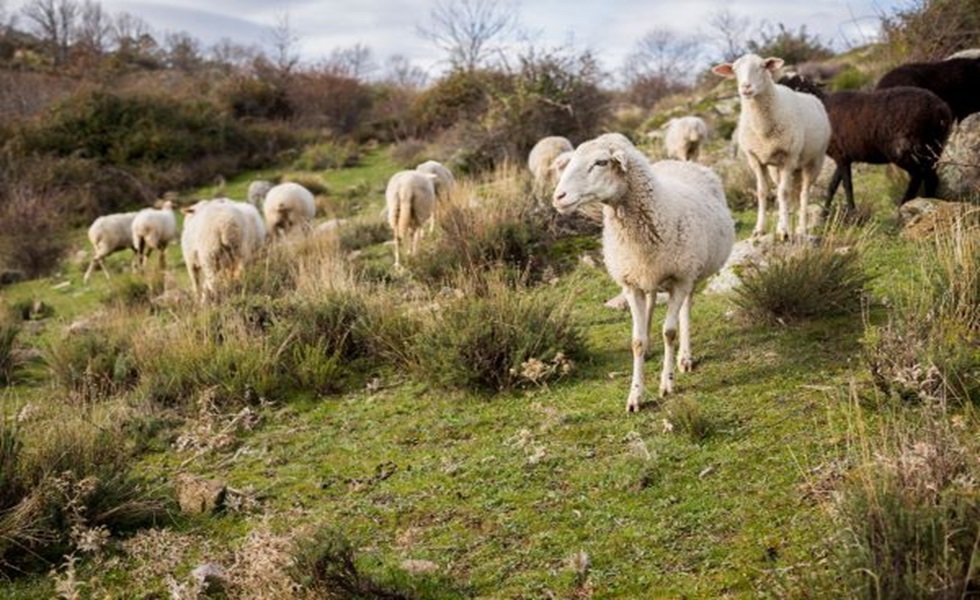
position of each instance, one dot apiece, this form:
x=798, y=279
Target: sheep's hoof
x=685, y=364
x=633, y=402
x=666, y=385
x=782, y=236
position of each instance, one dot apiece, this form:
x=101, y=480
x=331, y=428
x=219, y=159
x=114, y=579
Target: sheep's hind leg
x=685, y=361
x=678, y=296
x=641, y=340
x=805, y=181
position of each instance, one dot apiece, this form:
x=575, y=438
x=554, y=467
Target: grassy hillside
x=735, y=487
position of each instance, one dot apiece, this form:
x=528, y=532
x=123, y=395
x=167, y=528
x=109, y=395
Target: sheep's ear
x=561, y=162
x=188, y=210
x=772, y=63
x=619, y=157
x=725, y=70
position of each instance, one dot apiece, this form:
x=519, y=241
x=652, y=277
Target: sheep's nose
x=560, y=196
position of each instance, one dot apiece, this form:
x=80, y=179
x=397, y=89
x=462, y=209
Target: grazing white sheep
x=665, y=226
x=286, y=206
x=219, y=238
x=780, y=127
x=256, y=192
x=444, y=184
x=409, y=199
x=444, y=180
x=154, y=229
x=541, y=162
x=109, y=234
x=684, y=136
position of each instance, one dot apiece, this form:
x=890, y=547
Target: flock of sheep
x=666, y=225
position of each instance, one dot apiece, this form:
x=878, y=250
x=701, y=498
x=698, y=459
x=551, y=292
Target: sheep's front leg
x=678, y=296
x=685, y=361
x=761, y=194
x=163, y=257
x=783, y=192
x=641, y=340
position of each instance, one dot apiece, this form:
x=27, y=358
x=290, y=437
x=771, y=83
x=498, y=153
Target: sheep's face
x=752, y=72
x=593, y=174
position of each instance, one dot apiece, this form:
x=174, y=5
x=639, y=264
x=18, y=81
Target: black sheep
x=905, y=126
x=955, y=80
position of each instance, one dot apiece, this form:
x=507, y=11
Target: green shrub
x=92, y=364
x=850, y=78
x=9, y=329
x=328, y=155
x=685, y=416
x=802, y=282
x=66, y=482
x=131, y=290
x=255, y=348
x=494, y=338
x=327, y=566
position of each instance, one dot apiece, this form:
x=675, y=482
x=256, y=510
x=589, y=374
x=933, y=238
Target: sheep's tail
x=222, y=249
x=404, y=213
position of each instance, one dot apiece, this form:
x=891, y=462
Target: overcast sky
x=608, y=27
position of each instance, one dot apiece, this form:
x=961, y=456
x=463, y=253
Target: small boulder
x=198, y=495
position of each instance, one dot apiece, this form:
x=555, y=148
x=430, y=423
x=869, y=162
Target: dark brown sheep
x=955, y=80
x=905, y=126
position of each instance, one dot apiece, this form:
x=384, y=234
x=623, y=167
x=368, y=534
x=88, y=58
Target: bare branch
x=469, y=30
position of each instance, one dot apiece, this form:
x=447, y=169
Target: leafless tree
x=94, y=27
x=355, y=62
x=664, y=54
x=469, y=31
x=231, y=55
x=183, y=51
x=400, y=72
x=54, y=22
x=285, y=45
x=128, y=30
x=729, y=32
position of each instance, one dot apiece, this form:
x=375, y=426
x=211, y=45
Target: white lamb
x=409, y=198
x=109, y=234
x=286, y=206
x=154, y=229
x=780, y=127
x=541, y=163
x=219, y=238
x=256, y=192
x=666, y=227
x=683, y=137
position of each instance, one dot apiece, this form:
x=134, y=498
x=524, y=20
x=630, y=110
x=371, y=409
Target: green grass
x=499, y=491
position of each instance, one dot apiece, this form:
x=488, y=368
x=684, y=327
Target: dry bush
x=909, y=510
x=929, y=347
x=33, y=230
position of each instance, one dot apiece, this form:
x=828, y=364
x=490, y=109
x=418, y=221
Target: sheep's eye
x=601, y=162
